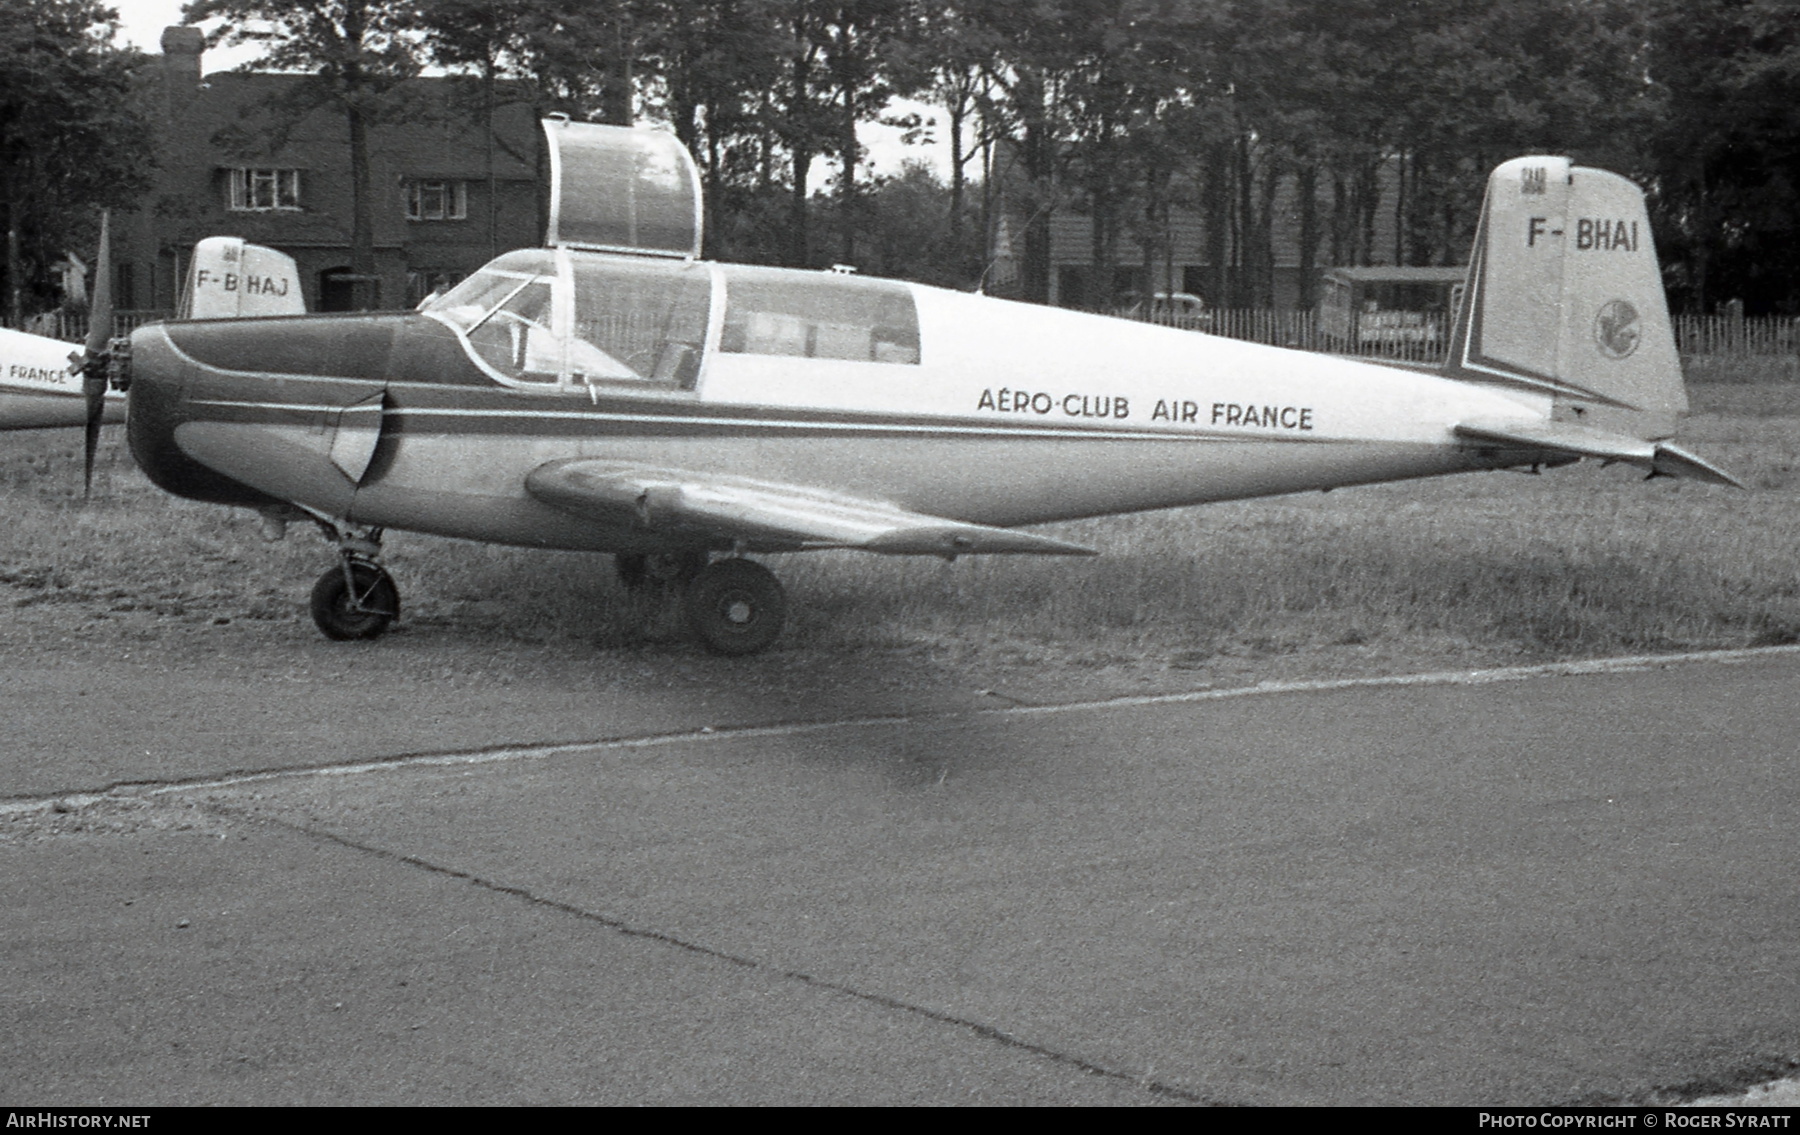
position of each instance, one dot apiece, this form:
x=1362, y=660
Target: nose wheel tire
x=736, y=606
x=358, y=607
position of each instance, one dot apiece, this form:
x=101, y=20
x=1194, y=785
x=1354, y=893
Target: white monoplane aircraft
x=612, y=392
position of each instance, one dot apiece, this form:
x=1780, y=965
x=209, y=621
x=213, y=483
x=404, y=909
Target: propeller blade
x=93, y=367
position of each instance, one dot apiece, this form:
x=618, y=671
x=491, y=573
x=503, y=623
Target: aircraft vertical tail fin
x=1565, y=297
x=230, y=278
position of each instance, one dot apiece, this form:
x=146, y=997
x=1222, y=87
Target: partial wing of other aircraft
x=614, y=393
x=47, y=383
x=41, y=386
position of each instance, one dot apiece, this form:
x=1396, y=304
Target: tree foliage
x=1335, y=120
x=1723, y=150
x=71, y=139
x=355, y=53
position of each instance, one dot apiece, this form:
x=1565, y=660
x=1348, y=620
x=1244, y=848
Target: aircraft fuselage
x=948, y=404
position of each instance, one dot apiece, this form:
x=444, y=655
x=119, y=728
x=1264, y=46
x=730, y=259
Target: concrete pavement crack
x=1145, y=1081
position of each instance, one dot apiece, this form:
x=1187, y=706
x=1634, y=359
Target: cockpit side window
x=516, y=337
x=639, y=319
x=473, y=300
x=566, y=318
x=819, y=317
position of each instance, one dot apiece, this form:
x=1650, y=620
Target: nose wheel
x=355, y=601
x=736, y=606
x=358, y=598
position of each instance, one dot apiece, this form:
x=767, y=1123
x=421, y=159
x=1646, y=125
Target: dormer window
x=437, y=201
x=259, y=190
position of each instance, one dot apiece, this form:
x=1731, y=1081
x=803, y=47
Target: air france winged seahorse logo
x=1616, y=329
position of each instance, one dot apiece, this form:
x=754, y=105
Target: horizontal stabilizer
x=769, y=515
x=1660, y=458
x=1674, y=461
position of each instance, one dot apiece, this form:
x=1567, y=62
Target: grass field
x=1483, y=569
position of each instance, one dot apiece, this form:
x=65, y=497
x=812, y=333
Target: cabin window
x=819, y=316
x=516, y=337
x=471, y=301
x=638, y=319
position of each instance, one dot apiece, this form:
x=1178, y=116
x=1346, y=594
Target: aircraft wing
x=1661, y=458
x=769, y=515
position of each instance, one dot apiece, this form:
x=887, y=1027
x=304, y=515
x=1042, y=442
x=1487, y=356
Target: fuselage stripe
x=835, y=425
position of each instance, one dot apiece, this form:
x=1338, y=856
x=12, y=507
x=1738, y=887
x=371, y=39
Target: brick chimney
x=181, y=55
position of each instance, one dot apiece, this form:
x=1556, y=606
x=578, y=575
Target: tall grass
x=1581, y=561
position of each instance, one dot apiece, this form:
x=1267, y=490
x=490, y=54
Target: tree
x=716, y=64
x=868, y=58
x=1725, y=153
x=476, y=35
x=354, y=52
x=71, y=141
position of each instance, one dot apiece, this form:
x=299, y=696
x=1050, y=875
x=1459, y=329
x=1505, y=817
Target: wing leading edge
x=767, y=515
x=1659, y=458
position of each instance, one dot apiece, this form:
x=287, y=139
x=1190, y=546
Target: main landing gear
x=357, y=599
x=735, y=606
x=664, y=569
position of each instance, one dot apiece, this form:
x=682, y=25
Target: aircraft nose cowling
x=287, y=410
x=158, y=406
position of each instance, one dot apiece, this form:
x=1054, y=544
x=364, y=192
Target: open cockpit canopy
x=620, y=296
x=617, y=189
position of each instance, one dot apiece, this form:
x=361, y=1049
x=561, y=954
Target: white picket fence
x=1760, y=344
x=1712, y=336
x=72, y=326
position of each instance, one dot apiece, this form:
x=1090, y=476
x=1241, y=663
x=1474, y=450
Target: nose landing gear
x=358, y=598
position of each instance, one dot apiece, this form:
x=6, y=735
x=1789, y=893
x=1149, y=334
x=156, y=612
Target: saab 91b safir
x=612, y=392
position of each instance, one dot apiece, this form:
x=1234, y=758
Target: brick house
x=232, y=161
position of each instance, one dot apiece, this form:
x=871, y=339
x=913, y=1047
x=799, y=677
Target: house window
x=437, y=201
x=261, y=189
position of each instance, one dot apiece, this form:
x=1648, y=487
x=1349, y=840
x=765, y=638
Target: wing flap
x=779, y=515
x=1659, y=458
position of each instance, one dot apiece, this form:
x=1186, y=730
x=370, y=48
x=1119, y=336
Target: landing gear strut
x=638, y=570
x=357, y=599
x=736, y=606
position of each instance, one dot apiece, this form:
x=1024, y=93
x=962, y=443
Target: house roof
x=432, y=127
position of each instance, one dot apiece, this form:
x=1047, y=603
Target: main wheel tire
x=341, y=616
x=664, y=569
x=736, y=606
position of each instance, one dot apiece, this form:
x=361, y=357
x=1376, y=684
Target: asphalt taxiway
x=1565, y=885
